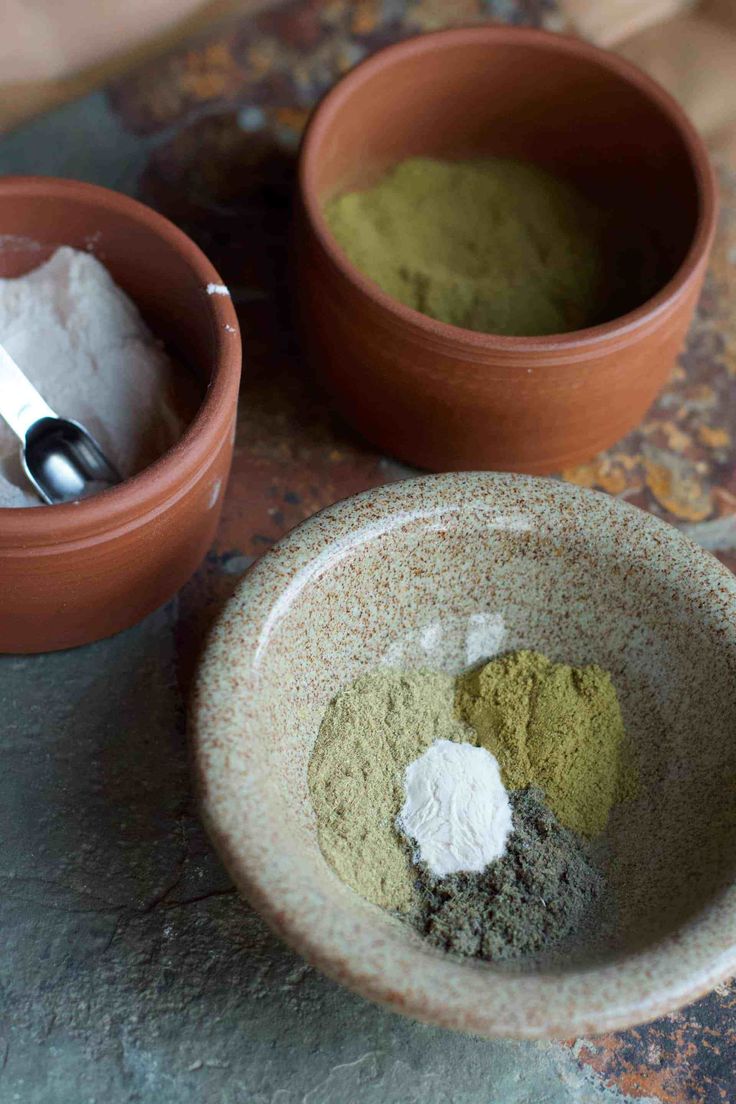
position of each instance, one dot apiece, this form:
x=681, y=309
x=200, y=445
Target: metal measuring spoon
x=62, y=460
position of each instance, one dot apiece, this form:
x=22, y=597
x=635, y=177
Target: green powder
x=549, y=725
x=556, y=727
x=370, y=733
x=544, y=892
x=495, y=245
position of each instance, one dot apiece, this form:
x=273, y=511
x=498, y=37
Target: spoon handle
x=20, y=403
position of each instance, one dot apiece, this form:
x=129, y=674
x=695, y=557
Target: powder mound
x=371, y=732
x=556, y=727
x=544, y=893
x=495, y=245
x=84, y=345
x=457, y=811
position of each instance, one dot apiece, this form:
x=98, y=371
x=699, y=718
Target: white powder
x=456, y=808
x=84, y=346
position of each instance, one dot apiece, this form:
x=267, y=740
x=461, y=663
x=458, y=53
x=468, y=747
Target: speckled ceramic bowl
x=442, y=572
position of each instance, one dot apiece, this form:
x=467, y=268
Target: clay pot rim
x=582, y=341
x=141, y=497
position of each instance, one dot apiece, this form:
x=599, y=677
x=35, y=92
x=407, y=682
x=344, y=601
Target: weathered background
x=130, y=970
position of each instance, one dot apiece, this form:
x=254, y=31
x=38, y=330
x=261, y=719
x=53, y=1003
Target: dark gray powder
x=545, y=891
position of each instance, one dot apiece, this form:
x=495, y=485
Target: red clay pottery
x=75, y=573
x=447, y=398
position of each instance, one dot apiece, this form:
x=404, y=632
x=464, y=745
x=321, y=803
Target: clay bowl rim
x=583, y=340
x=142, y=496
x=680, y=966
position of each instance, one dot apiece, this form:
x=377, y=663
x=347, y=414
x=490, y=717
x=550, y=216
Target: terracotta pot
x=74, y=573
x=447, y=398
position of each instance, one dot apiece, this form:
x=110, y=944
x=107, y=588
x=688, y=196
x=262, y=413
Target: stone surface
x=130, y=970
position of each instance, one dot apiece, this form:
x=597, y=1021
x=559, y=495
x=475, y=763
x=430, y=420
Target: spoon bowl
x=61, y=459
x=64, y=462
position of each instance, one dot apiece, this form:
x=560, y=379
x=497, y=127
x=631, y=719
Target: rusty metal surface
x=208, y=136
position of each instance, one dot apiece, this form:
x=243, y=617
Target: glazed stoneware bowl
x=74, y=573
x=443, y=572
x=446, y=398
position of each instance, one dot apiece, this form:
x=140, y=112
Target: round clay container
x=442, y=573
x=78, y=572
x=442, y=397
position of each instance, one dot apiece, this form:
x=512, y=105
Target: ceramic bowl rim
x=143, y=495
x=589, y=338
x=695, y=959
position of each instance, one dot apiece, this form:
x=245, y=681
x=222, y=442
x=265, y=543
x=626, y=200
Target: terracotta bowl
x=442, y=572
x=442, y=397
x=74, y=573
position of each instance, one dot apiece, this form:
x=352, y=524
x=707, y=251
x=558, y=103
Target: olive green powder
x=558, y=736
x=543, y=893
x=556, y=727
x=370, y=733
x=495, y=245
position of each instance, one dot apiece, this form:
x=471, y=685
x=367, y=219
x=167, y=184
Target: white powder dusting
x=456, y=808
x=214, y=494
x=83, y=344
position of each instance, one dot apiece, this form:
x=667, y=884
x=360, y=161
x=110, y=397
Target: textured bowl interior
x=443, y=572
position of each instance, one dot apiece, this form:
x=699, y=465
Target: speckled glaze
x=442, y=572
